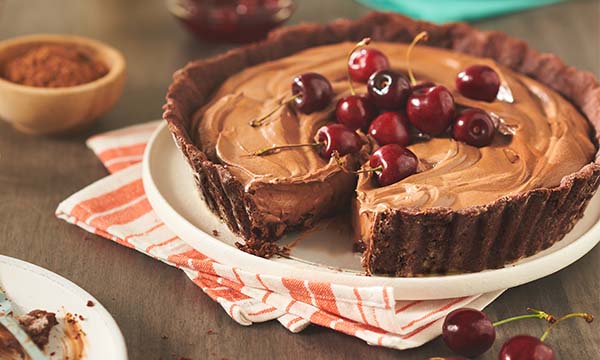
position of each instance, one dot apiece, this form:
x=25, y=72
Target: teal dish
x=455, y=10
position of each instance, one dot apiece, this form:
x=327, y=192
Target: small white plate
x=31, y=287
x=325, y=253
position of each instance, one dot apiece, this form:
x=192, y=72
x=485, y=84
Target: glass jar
x=231, y=20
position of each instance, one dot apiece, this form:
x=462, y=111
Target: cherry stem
x=588, y=318
x=364, y=42
x=368, y=170
x=537, y=314
x=338, y=160
x=260, y=121
x=420, y=36
x=276, y=149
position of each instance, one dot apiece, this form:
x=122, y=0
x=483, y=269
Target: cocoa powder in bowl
x=53, y=66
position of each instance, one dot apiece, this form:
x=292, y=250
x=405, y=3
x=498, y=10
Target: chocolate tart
x=397, y=240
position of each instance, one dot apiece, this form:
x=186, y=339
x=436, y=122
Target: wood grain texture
x=142, y=294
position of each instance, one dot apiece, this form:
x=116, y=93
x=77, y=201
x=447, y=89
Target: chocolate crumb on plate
x=263, y=248
x=38, y=324
x=90, y=303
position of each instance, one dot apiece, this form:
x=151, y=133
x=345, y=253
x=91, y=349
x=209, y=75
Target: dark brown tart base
x=404, y=242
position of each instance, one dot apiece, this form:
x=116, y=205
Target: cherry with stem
x=469, y=332
x=364, y=42
x=329, y=138
x=355, y=111
x=526, y=347
x=363, y=61
x=430, y=107
x=311, y=92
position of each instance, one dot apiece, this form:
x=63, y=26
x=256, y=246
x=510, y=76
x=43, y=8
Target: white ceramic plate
x=325, y=253
x=31, y=287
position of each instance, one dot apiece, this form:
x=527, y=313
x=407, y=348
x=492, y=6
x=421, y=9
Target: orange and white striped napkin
x=117, y=208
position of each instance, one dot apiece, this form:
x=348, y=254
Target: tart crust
x=404, y=241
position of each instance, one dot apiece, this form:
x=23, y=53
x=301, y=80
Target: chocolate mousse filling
x=468, y=209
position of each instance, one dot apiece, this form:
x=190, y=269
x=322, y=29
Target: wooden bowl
x=43, y=111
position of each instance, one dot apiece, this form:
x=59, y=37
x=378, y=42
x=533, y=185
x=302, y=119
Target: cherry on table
x=392, y=163
x=431, y=109
x=365, y=61
x=474, y=127
x=312, y=92
x=468, y=332
x=478, y=82
x=355, y=111
x=390, y=128
x=339, y=138
x=525, y=347
x=389, y=89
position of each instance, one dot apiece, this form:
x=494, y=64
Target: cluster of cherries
x=469, y=332
x=388, y=112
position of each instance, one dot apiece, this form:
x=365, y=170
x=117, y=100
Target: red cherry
x=337, y=137
x=468, y=332
x=390, y=128
x=389, y=89
x=365, y=61
x=355, y=111
x=478, y=82
x=474, y=127
x=313, y=92
x=525, y=347
x=431, y=109
x=395, y=163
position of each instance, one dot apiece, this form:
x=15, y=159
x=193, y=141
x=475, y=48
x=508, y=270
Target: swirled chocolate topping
x=550, y=140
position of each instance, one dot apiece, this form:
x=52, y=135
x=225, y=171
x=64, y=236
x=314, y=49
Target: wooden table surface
x=150, y=300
